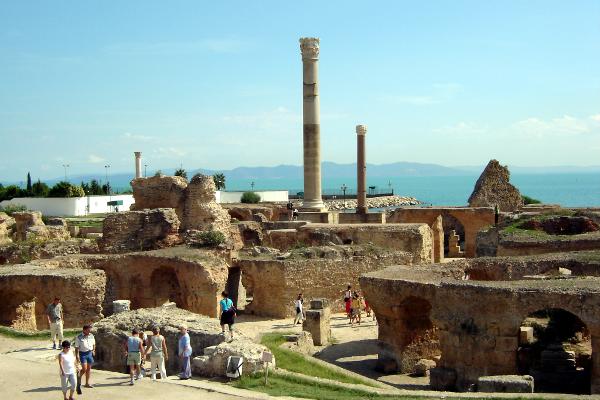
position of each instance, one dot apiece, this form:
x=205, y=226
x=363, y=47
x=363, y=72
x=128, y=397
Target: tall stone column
x=361, y=170
x=312, y=125
x=138, y=164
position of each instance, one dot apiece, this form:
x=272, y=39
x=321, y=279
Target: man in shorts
x=134, y=350
x=54, y=312
x=85, y=350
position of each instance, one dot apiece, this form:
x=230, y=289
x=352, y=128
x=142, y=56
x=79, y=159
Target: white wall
x=72, y=206
x=266, y=195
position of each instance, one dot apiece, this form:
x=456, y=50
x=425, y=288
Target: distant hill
x=331, y=170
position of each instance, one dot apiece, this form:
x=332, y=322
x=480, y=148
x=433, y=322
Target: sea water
x=574, y=190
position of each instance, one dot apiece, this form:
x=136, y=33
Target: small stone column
x=120, y=306
x=361, y=170
x=317, y=322
x=138, y=164
x=313, y=201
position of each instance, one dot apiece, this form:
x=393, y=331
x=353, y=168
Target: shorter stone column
x=120, y=306
x=138, y=164
x=317, y=321
x=361, y=170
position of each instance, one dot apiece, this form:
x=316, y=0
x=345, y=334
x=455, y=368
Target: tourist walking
x=144, y=338
x=134, y=350
x=157, y=346
x=54, y=313
x=348, y=301
x=185, y=353
x=227, y=313
x=355, y=310
x=85, y=351
x=295, y=214
x=290, y=208
x=68, y=370
x=299, y=303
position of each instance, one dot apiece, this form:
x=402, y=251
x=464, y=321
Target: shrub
x=212, y=238
x=65, y=189
x=13, y=208
x=250, y=198
x=530, y=200
x=12, y=191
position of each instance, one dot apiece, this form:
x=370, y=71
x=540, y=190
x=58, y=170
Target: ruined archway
x=235, y=288
x=165, y=287
x=111, y=293
x=450, y=224
x=417, y=335
x=555, y=348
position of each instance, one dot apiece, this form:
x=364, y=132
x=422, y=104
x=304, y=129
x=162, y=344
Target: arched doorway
x=419, y=336
x=555, y=348
x=165, y=287
x=451, y=223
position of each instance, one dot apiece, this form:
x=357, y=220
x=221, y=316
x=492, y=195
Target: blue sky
x=218, y=84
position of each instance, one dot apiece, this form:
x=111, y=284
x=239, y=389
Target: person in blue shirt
x=227, y=313
x=133, y=349
x=185, y=353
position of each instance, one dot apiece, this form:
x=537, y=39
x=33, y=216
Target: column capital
x=137, y=153
x=361, y=129
x=309, y=47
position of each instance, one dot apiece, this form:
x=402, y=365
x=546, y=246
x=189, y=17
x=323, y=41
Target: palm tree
x=181, y=172
x=219, y=179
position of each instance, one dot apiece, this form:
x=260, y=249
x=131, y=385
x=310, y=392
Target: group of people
x=292, y=211
x=77, y=363
x=355, y=303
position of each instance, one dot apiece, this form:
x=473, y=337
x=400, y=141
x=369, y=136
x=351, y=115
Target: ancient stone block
x=140, y=230
x=112, y=332
x=159, y=192
x=505, y=384
x=318, y=304
x=25, y=319
x=201, y=211
x=214, y=360
x=120, y=306
x=507, y=343
x=423, y=366
x=317, y=323
x=442, y=378
x=525, y=335
x=29, y=222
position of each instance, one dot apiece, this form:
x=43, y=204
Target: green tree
x=158, y=173
x=106, y=189
x=219, y=179
x=250, y=197
x=29, y=189
x=12, y=191
x=65, y=189
x=85, y=187
x=95, y=188
x=39, y=189
x=181, y=172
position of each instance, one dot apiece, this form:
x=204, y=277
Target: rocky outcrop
x=202, y=212
x=7, y=224
x=29, y=225
x=25, y=318
x=159, y=192
x=140, y=230
x=112, y=332
x=214, y=360
x=493, y=188
x=81, y=292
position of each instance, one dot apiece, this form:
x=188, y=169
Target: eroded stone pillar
x=313, y=201
x=361, y=170
x=138, y=164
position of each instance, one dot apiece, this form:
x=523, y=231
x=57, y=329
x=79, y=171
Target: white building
x=80, y=206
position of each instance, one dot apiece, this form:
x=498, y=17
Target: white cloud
x=438, y=93
x=595, y=117
x=166, y=152
x=556, y=127
x=92, y=158
x=133, y=136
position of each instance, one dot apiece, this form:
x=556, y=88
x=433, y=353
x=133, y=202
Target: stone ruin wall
x=81, y=292
x=194, y=203
x=140, y=230
x=476, y=323
x=274, y=284
x=494, y=189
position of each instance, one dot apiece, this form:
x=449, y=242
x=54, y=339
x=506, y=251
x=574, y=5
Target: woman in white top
x=299, y=310
x=68, y=371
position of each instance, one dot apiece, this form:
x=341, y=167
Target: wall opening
x=235, y=288
x=165, y=287
x=451, y=223
x=555, y=348
x=419, y=336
